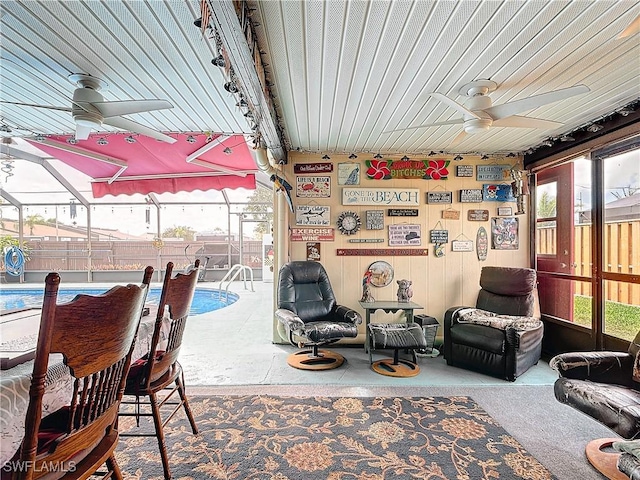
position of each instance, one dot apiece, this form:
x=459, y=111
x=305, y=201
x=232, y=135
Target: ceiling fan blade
x=525, y=122
x=131, y=126
x=64, y=109
x=459, y=138
x=127, y=107
x=518, y=106
x=452, y=103
x=82, y=132
x=437, y=124
x=632, y=28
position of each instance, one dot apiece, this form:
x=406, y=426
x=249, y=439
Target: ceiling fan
x=479, y=115
x=89, y=109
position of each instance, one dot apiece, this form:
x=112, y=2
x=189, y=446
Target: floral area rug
x=338, y=438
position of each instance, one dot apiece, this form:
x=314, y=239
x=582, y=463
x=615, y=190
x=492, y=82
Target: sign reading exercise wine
x=380, y=196
x=319, y=234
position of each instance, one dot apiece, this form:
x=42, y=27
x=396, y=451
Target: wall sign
x=498, y=193
x=505, y=211
x=313, y=215
x=462, y=246
x=313, y=251
x=504, y=233
x=309, y=187
x=482, y=244
x=404, y=234
x=478, y=215
x=431, y=169
x=374, y=219
x=365, y=240
x=438, y=236
x=381, y=252
x=303, y=168
x=464, y=170
x=492, y=173
x=402, y=212
x=439, y=197
x=471, y=195
x=348, y=174
x=380, y=196
x=312, y=234
x=450, y=214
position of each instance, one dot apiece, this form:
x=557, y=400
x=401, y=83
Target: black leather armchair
x=505, y=352
x=604, y=385
x=308, y=310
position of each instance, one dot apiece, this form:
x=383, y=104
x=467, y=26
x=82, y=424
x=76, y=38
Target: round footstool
x=396, y=336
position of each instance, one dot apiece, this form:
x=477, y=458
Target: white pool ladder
x=232, y=274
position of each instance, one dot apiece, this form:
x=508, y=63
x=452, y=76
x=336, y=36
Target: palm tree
x=186, y=233
x=33, y=220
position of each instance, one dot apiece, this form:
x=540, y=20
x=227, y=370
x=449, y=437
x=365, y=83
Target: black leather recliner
x=501, y=352
x=308, y=310
x=601, y=385
x=606, y=386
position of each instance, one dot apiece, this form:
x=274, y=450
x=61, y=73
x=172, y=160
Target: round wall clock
x=349, y=223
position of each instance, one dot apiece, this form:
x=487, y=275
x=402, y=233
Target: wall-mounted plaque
x=365, y=240
x=439, y=197
x=402, y=212
x=504, y=233
x=313, y=251
x=464, y=170
x=381, y=252
x=498, y=193
x=478, y=215
x=482, y=244
x=348, y=174
x=303, y=168
x=309, y=187
x=319, y=234
x=374, y=219
x=471, y=195
x=438, y=236
x=505, y=211
x=313, y=215
x=404, y=234
x=380, y=196
x=492, y=173
x=462, y=246
x=450, y=214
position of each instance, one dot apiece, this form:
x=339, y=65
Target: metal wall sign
x=348, y=174
x=312, y=234
x=471, y=195
x=478, y=215
x=380, y=196
x=464, y=170
x=439, y=197
x=313, y=251
x=365, y=240
x=313, y=215
x=498, y=193
x=451, y=214
x=381, y=252
x=402, y=212
x=325, y=167
x=492, y=173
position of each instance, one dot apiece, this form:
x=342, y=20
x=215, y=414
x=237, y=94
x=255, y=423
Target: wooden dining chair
x=95, y=335
x=159, y=370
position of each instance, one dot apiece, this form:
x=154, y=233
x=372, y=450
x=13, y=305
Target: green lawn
x=621, y=320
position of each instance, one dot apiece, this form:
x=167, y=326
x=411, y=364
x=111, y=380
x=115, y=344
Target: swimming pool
x=204, y=299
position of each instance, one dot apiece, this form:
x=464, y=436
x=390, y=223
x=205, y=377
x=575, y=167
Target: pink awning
x=195, y=161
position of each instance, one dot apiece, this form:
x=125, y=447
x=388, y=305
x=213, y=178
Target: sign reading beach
x=380, y=196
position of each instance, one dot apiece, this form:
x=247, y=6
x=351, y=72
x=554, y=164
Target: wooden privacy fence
x=621, y=255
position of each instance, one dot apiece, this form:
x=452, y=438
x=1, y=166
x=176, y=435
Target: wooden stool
x=396, y=336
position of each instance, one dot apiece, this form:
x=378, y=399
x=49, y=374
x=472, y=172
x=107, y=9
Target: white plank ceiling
x=342, y=72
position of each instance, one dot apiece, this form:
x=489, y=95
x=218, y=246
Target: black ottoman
x=396, y=336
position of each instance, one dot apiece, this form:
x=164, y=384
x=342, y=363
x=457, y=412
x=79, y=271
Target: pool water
x=204, y=299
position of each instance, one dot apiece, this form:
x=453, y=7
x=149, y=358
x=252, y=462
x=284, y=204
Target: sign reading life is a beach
x=434, y=169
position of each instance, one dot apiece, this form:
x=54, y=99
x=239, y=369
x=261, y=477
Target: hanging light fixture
x=191, y=139
x=72, y=140
x=432, y=153
x=353, y=156
x=218, y=61
x=231, y=87
x=326, y=157
x=227, y=151
x=102, y=141
x=377, y=156
x=484, y=157
x=130, y=139
x=594, y=127
x=547, y=143
x=405, y=158
x=457, y=158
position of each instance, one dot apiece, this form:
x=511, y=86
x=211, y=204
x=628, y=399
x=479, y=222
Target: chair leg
x=113, y=468
x=157, y=421
x=185, y=403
